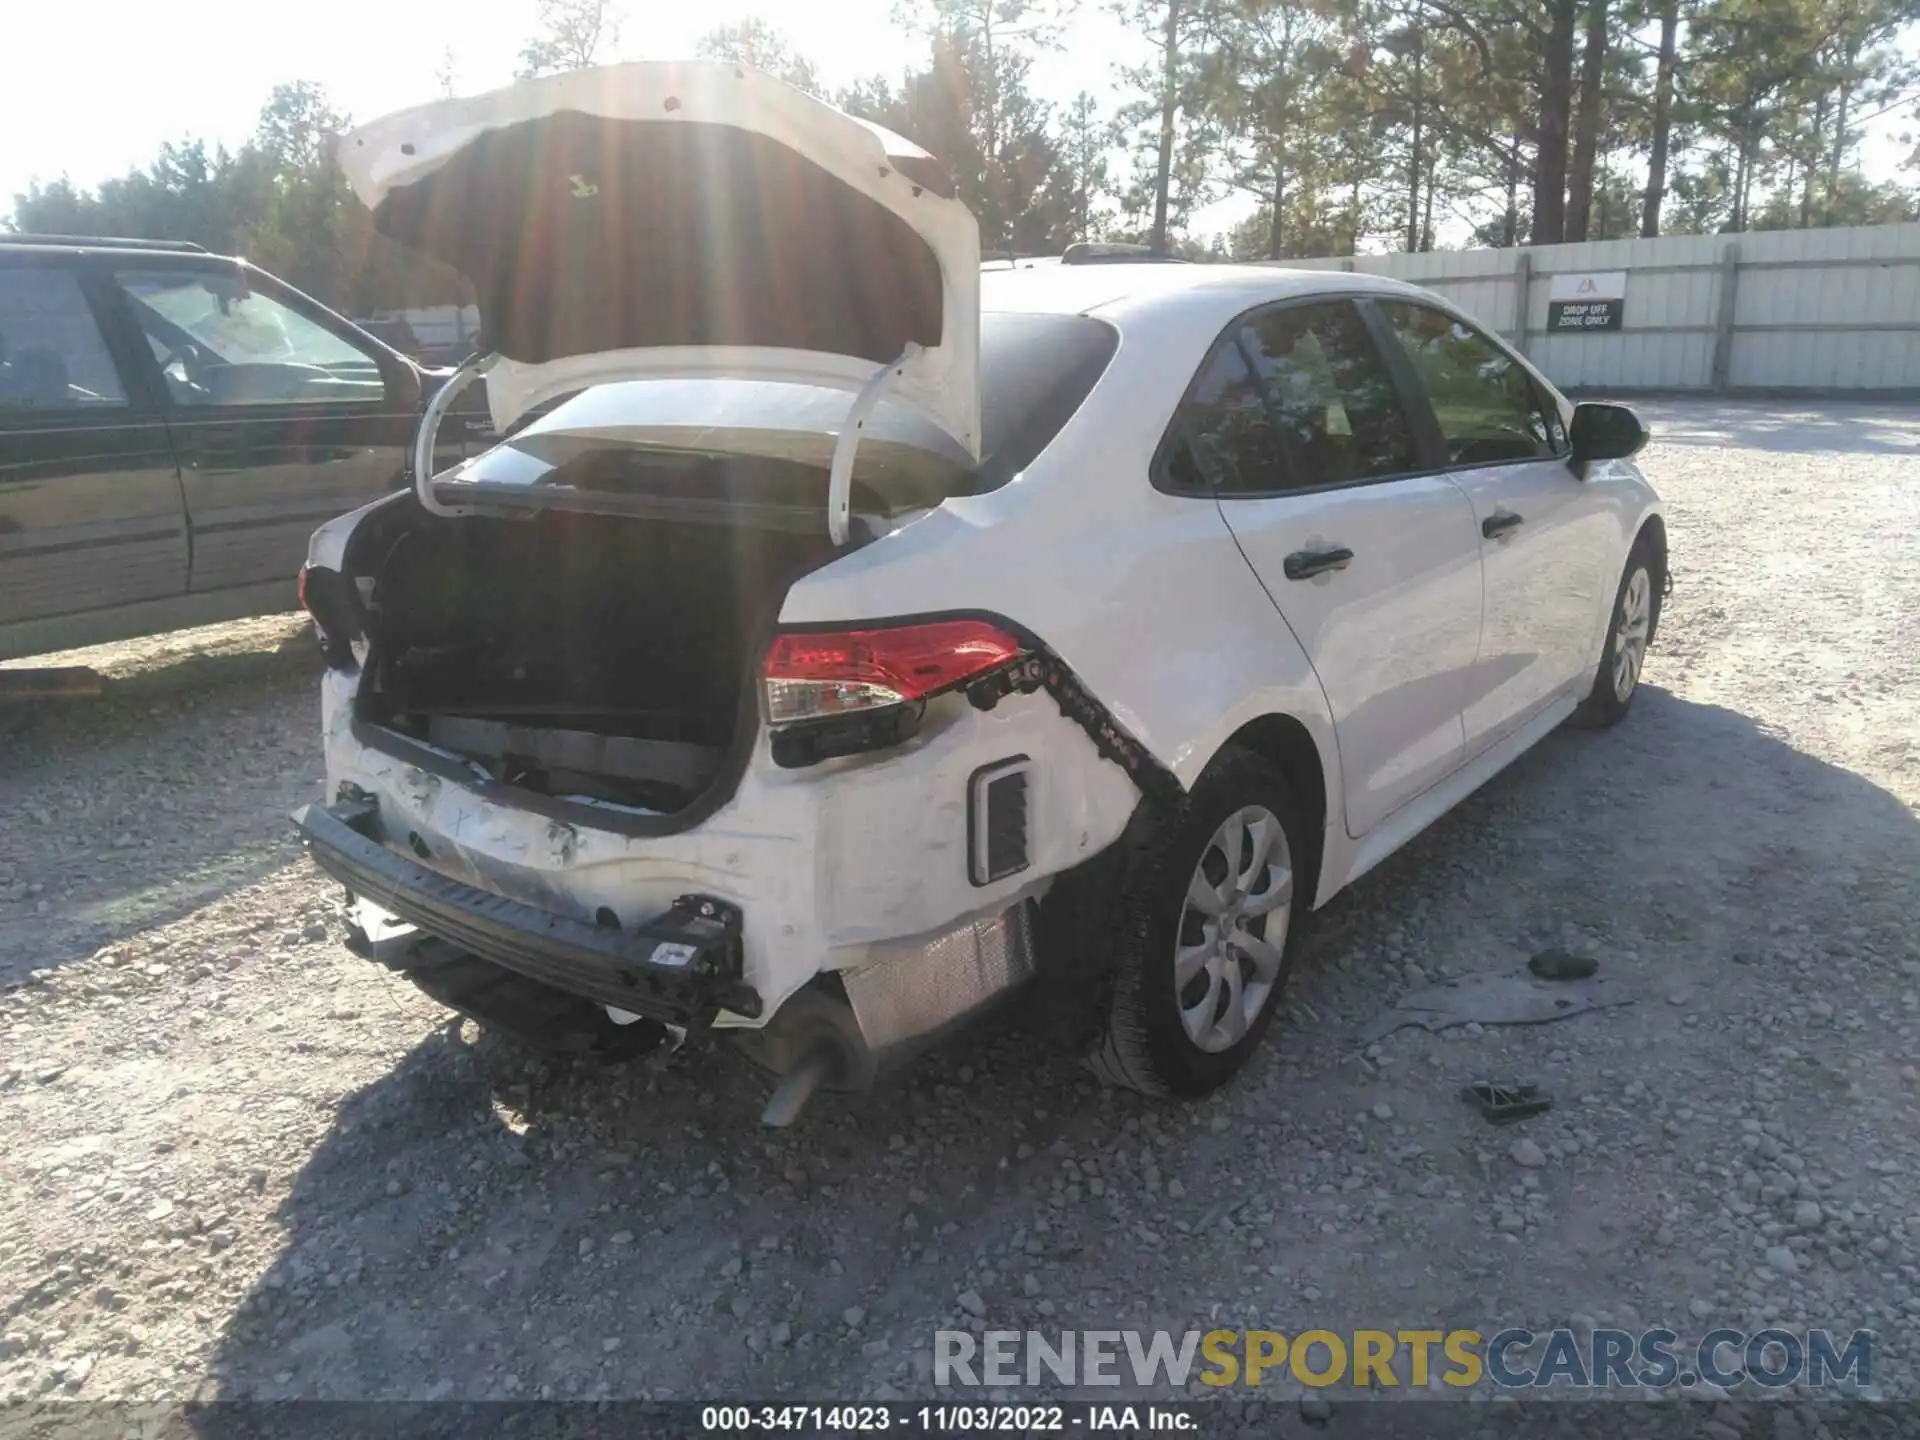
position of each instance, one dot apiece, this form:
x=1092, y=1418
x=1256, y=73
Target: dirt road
x=237, y=1161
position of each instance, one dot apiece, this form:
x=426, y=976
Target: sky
x=71, y=104
x=205, y=69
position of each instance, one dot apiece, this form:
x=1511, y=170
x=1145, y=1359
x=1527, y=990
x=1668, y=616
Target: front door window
x=220, y=342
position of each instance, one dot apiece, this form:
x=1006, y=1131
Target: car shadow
x=128, y=811
x=481, y=1224
x=1784, y=427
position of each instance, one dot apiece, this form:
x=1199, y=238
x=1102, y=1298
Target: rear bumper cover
x=682, y=967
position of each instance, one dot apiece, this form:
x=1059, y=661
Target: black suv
x=173, y=426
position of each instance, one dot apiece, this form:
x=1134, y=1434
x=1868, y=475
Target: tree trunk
x=1426, y=221
x=1277, y=232
x=1806, y=173
x=1839, y=151
x=1510, y=226
x=1415, y=160
x=989, y=108
x=1586, y=135
x=1556, y=107
x=1743, y=173
x=1163, y=177
x=1662, y=120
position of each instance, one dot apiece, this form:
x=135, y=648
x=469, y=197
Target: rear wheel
x=1201, y=932
x=1636, y=610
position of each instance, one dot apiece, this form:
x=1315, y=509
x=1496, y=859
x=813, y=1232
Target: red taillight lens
x=301, y=589
x=812, y=677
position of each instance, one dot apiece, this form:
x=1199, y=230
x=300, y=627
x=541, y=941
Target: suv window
x=1340, y=417
x=220, y=342
x=1223, y=437
x=1487, y=405
x=51, y=354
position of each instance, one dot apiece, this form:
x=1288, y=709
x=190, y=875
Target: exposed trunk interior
x=579, y=655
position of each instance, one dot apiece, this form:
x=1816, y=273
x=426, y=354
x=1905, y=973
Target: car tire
x=1636, y=615
x=1191, y=934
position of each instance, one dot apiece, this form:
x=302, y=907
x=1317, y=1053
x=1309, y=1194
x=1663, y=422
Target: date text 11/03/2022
x=956, y=1419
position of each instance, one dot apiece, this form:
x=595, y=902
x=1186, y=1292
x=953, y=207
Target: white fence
x=1784, y=310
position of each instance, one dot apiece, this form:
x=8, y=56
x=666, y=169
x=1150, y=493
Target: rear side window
x=51, y=354
x=1035, y=372
x=1223, y=438
x=1488, y=408
x=1340, y=418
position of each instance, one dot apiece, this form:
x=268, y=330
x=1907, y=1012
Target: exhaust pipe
x=813, y=1041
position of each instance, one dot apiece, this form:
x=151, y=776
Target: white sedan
x=841, y=637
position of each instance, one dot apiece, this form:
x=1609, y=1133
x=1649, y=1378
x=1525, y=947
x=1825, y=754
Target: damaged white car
x=841, y=638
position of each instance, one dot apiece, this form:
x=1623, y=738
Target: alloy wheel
x=1630, y=633
x=1233, y=929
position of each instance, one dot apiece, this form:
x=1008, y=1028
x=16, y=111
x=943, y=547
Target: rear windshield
x=1035, y=371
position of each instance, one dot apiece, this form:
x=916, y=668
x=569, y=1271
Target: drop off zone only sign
x=1595, y=301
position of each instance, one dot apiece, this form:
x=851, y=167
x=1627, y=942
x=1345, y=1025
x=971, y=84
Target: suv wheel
x=1201, y=933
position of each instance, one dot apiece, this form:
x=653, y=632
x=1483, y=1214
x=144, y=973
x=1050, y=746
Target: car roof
x=85, y=253
x=1091, y=289
x=114, y=243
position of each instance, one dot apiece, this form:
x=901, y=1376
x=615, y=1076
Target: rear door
x=282, y=417
x=1546, y=541
x=90, y=508
x=1299, y=429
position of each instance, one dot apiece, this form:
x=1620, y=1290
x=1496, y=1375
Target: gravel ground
x=239, y=1162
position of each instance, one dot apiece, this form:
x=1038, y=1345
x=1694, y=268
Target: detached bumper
x=682, y=967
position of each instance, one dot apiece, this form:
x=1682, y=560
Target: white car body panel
x=1347, y=859
x=1392, y=637
x=1544, y=582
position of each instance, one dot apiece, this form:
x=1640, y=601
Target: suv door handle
x=1305, y=564
x=1495, y=526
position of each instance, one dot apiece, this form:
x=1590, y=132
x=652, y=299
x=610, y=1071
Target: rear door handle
x=1305, y=564
x=1495, y=526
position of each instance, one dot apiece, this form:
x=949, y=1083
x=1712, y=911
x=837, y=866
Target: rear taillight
x=844, y=672
x=329, y=599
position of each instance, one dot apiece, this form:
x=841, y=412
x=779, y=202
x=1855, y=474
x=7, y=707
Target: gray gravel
x=239, y=1162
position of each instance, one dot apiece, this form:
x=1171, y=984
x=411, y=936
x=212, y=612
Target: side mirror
x=1605, y=432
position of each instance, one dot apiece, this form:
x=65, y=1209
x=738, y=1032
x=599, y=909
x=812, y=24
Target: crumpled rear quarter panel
x=824, y=862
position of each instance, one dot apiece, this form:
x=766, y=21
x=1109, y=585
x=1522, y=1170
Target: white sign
x=1601, y=285
x=1593, y=301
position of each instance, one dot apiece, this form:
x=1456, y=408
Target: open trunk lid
x=688, y=221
